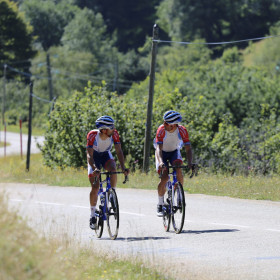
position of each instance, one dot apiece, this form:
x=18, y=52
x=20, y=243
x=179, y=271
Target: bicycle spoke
x=112, y=214
x=166, y=217
x=100, y=221
x=178, y=208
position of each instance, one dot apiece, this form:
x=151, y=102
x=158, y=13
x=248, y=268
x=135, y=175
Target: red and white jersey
x=94, y=141
x=172, y=141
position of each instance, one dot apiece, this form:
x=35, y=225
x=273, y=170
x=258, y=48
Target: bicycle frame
x=170, y=190
x=105, y=194
x=174, y=206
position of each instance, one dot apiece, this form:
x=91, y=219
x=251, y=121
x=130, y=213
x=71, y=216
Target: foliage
x=70, y=122
x=265, y=53
x=231, y=113
x=87, y=32
x=131, y=22
x=15, y=37
x=48, y=20
x=217, y=20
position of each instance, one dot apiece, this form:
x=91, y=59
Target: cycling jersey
x=94, y=141
x=172, y=141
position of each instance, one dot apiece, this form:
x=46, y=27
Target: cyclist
x=99, y=145
x=170, y=138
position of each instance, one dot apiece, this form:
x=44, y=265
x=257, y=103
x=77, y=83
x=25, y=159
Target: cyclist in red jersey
x=170, y=138
x=99, y=145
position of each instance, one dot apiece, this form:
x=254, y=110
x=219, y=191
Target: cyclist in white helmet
x=170, y=138
x=99, y=145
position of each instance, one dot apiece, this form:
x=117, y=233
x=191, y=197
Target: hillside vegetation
x=87, y=60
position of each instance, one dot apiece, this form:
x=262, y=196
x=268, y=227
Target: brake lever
x=194, y=170
x=125, y=179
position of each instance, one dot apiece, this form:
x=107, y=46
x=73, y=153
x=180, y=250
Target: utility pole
x=49, y=76
x=4, y=94
x=147, y=145
x=29, y=127
x=116, y=77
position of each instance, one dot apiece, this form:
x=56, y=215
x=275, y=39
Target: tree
x=15, y=37
x=217, y=20
x=87, y=32
x=132, y=21
x=48, y=20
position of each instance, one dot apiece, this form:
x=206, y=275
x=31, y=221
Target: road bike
x=107, y=208
x=175, y=205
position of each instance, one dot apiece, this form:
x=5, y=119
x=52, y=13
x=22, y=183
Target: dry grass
x=23, y=255
x=12, y=169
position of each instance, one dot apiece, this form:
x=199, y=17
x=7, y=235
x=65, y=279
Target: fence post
x=29, y=127
x=20, y=131
x=147, y=145
x=5, y=138
x=4, y=95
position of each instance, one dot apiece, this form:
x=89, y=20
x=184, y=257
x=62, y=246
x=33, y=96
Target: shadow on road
x=209, y=231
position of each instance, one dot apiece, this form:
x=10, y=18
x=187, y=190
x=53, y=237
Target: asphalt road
x=223, y=238
x=14, y=146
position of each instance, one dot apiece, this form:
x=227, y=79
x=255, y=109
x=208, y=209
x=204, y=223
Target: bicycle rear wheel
x=113, y=217
x=99, y=217
x=167, y=216
x=178, y=208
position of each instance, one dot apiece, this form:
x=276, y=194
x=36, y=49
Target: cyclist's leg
x=177, y=161
x=161, y=186
x=93, y=196
x=110, y=165
x=164, y=177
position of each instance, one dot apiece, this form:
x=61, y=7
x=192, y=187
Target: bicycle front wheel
x=113, y=217
x=178, y=208
x=100, y=221
x=166, y=216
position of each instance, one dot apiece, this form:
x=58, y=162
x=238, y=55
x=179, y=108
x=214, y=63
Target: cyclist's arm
x=120, y=156
x=159, y=154
x=90, y=158
x=189, y=155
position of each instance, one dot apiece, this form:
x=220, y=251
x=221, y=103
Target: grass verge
x=15, y=128
x=2, y=144
x=23, y=255
x=12, y=169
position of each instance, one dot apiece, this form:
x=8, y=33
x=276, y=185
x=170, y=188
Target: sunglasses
x=168, y=124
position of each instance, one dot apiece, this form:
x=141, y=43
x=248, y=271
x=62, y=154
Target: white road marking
x=271, y=229
x=79, y=206
x=135, y=214
x=49, y=203
x=128, y=213
x=17, y=200
x=74, y=206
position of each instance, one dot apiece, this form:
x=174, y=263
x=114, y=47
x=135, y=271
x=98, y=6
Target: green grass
x=12, y=169
x=15, y=128
x=2, y=144
x=23, y=255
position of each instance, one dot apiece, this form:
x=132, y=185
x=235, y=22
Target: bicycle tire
x=178, y=208
x=112, y=212
x=99, y=217
x=167, y=216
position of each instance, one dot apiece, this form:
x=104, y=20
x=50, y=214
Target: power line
x=215, y=43
x=83, y=77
